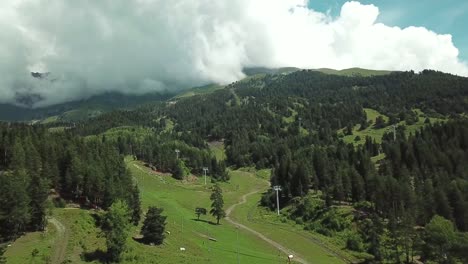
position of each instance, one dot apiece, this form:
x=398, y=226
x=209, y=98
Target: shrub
x=354, y=242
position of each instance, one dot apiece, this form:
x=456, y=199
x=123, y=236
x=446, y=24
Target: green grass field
x=377, y=134
x=179, y=199
x=22, y=250
x=354, y=72
x=286, y=232
x=200, y=90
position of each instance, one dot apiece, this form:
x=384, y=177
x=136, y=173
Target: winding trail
x=61, y=241
x=258, y=234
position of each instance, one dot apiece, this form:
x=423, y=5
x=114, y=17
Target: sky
x=142, y=46
x=441, y=16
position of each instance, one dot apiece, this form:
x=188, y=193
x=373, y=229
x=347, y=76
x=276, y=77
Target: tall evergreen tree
x=14, y=204
x=135, y=205
x=38, y=191
x=460, y=207
x=116, y=227
x=153, y=226
x=442, y=204
x=18, y=160
x=217, y=203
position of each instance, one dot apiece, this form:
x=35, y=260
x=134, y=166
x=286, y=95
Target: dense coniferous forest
x=36, y=163
x=397, y=206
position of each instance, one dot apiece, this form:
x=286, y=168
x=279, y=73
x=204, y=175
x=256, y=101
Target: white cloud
x=148, y=45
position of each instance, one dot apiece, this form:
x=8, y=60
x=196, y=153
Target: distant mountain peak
x=40, y=75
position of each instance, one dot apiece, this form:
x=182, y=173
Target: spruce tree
x=153, y=226
x=18, y=160
x=135, y=205
x=442, y=204
x=14, y=204
x=460, y=207
x=116, y=229
x=38, y=190
x=179, y=170
x=217, y=203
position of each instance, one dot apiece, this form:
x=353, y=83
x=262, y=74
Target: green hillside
x=365, y=168
x=179, y=201
x=354, y=72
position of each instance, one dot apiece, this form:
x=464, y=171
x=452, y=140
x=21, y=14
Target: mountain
x=97, y=105
x=364, y=161
x=79, y=110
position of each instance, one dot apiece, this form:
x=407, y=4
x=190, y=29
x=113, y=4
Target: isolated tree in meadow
x=217, y=203
x=153, y=226
x=200, y=211
x=116, y=226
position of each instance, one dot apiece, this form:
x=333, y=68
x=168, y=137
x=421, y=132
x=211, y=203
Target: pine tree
x=135, y=205
x=116, y=228
x=38, y=190
x=300, y=181
x=217, y=203
x=14, y=204
x=442, y=204
x=460, y=207
x=357, y=186
x=428, y=202
x=18, y=160
x=153, y=226
x=179, y=170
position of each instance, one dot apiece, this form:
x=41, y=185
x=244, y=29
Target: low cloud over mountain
x=91, y=47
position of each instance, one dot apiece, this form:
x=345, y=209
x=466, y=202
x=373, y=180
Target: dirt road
x=258, y=234
x=61, y=241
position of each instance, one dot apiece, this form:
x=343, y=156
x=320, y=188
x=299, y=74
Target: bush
x=334, y=221
x=354, y=242
x=59, y=202
x=299, y=221
x=379, y=122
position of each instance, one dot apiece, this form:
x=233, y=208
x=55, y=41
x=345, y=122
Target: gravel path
x=61, y=242
x=258, y=234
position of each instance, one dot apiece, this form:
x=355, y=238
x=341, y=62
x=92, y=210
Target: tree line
x=36, y=163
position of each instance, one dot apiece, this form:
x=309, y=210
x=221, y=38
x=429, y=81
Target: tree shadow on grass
x=204, y=221
x=97, y=255
x=141, y=240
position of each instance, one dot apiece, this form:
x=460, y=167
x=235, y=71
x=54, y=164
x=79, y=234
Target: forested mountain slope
x=372, y=197
x=294, y=122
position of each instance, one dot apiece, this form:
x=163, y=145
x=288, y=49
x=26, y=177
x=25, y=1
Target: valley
x=72, y=230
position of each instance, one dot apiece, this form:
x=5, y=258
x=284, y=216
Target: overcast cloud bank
x=140, y=46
